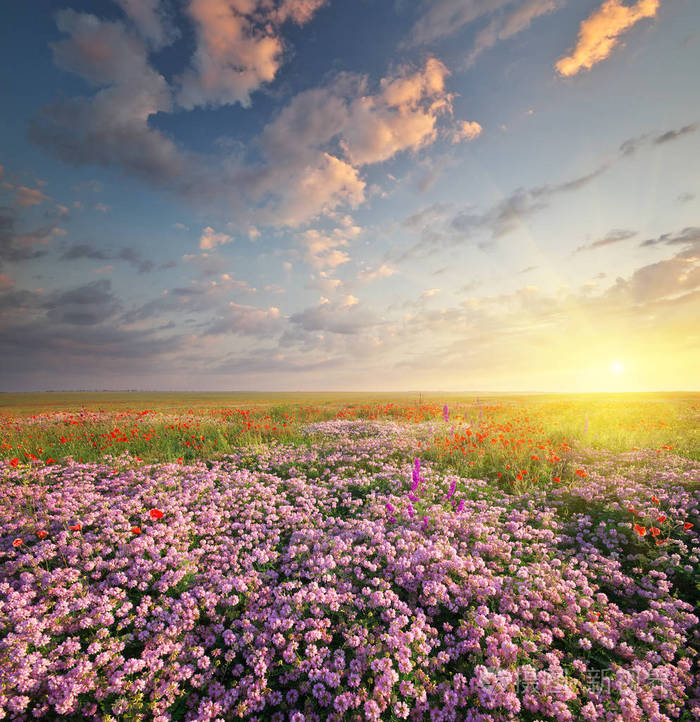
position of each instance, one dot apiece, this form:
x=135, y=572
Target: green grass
x=192, y=426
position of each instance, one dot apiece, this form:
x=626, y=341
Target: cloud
x=632, y=145
x=26, y=197
x=21, y=246
x=446, y=17
x=238, y=319
x=318, y=144
x=685, y=197
x=239, y=48
x=437, y=230
x=508, y=214
x=299, y=11
x=666, y=279
x=429, y=294
x=129, y=255
x=430, y=214
x=310, y=157
x=401, y=116
x=510, y=23
x=600, y=33
x=70, y=335
x=110, y=128
x=210, y=238
x=86, y=305
x=674, y=134
x=323, y=249
x=615, y=236
x=301, y=193
x=335, y=317
x=151, y=21
x=382, y=271
x=466, y=130
x=689, y=236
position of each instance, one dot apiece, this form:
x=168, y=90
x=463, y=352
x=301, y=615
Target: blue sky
x=308, y=194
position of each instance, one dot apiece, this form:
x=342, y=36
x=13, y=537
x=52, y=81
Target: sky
x=379, y=195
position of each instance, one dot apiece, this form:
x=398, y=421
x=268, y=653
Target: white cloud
x=239, y=48
x=466, y=130
x=210, y=238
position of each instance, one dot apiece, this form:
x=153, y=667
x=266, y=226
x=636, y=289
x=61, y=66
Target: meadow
x=349, y=557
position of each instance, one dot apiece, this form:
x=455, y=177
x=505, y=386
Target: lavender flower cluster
x=339, y=581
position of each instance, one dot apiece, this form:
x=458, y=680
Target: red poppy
x=688, y=525
x=76, y=527
x=654, y=531
x=594, y=616
x=654, y=499
x=135, y=530
x=17, y=542
x=557, y=479
x=580, y=472
x=630, y=509
x=156, y=514
x=50, y=460
x=14, y=462
x=659, y=542
x=42, y=533
x=661, y=519
x=640, y=529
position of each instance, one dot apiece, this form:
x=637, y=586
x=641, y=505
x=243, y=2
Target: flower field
x=476, y=560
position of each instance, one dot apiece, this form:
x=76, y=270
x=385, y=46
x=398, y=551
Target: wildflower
x=156, y=514
x=389, y=507
x=659, y=542
x=654, y=531
x=445, y=413
x=688, y=525
x=581, y=473
x=640, y=529
x=453, y=487
x=594, y=616
x=42, y=533
x=50, y=460
x=14, y=462
x=557, y=479
x=654, y=499
x=76, y=527
x=17, y=542
x=661, y=519
x=416, y=475
x=135, y=530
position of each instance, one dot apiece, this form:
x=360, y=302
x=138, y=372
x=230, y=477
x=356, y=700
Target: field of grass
x=303, y=557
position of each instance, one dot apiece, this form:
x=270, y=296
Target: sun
x=617, y=367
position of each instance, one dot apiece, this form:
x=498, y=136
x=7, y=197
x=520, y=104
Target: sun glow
x=617, y=367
